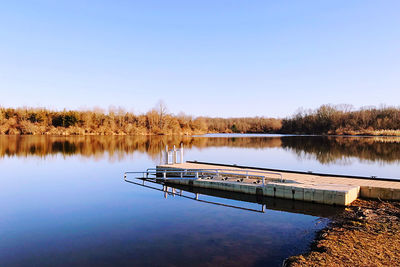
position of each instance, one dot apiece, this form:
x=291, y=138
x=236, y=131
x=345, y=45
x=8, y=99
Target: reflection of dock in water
x=303, y=186
x=264, y=203
x=312, y=187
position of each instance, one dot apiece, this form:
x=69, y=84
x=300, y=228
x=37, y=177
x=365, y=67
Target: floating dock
x=304, y=186
x=265, y=203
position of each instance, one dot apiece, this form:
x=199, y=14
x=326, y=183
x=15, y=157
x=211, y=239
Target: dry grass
x=157, y=121
x=366, y=234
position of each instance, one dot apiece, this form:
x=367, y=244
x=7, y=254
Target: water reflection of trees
x=323, y=149
x=117, y=146
x=330, y=149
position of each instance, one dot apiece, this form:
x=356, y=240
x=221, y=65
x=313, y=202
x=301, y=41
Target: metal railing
x=174, y=174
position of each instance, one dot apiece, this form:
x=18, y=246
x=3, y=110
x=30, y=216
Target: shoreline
x=365, y=233
x=201, y=134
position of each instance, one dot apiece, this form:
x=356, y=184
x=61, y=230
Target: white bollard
x=166, y=155
x=174, y=155
x=181, y=152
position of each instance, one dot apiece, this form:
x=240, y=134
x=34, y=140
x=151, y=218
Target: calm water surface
x=64, y=202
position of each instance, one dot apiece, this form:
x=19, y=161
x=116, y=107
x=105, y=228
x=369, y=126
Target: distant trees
x=243, y=125
x=65, y=119
x=97, y=122
x=329, y=119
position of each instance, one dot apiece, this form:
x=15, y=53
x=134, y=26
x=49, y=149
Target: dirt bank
x=365, y=234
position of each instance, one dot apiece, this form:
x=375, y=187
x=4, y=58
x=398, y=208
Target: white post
x=174, y=155
x=181, y=152
x=166, y=154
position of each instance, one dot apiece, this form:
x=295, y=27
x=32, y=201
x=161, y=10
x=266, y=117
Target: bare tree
x=162, y=110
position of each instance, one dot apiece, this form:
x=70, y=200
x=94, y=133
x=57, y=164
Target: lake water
x=64, y=201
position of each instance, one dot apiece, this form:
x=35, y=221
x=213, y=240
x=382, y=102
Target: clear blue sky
x=215, y=58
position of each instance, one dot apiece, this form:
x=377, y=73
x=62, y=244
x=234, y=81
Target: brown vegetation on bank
x=243, y=125
x=30, y=121
x=115, y=122
x=336, y=120
x=342, y=120
x=365, y=234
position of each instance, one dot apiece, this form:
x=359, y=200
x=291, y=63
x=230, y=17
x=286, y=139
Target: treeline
x=243, y=125
x=30, y=121
x=329, y=119
x=115, y=122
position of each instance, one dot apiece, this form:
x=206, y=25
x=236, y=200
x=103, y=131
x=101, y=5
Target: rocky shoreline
x=367, y=233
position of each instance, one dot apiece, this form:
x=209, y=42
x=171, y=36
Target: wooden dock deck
x=318, y=188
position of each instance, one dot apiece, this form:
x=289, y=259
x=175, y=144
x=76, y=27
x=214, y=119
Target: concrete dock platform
x=324, y=189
